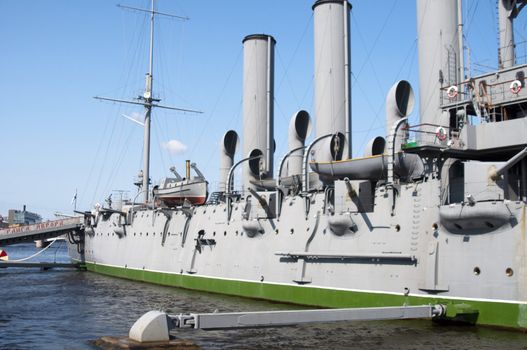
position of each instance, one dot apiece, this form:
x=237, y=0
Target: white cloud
x=174, y=147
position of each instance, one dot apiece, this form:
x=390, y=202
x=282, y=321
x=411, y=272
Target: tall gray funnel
x=258, y=87
x=506, y=10
x=227, y=150
x=437, y=25
x=332, y=76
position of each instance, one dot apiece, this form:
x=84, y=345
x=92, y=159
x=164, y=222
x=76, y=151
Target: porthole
x=434, y=226
x=397, y=228
x=477, y=271
x=509, y=272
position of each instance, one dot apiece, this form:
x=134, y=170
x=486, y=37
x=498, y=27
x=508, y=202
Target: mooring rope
x=36, y=254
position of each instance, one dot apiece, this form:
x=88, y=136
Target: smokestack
x=299, y=129
x=437, y=29
x=399, y=104
x=229, y=146
x=258, y=95
x=332, y=77
x=187, y=169
x=506, y=50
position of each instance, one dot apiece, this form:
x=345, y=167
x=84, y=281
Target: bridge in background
x=42, y=230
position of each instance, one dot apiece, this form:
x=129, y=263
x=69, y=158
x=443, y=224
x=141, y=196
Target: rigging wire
x=234, y=117
x=376, y=40
x=140, y=39
x=376, y=112
x=284, y=77
x=95, y=192
x=125, y=146
x=291, y=60
x=213, y=110
x=157, y=133
x=160, y=58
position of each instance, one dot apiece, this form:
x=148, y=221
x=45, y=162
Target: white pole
x=148, y=110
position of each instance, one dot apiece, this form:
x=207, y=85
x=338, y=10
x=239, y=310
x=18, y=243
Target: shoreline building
x=22, y=217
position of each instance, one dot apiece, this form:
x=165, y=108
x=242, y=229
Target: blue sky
x=56, y=55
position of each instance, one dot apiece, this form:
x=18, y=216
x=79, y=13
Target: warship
x=433, y=213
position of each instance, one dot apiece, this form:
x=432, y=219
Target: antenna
x=147, y=101
x=153, y=11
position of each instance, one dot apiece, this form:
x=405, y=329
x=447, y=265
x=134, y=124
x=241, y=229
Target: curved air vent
x=375, y=147
x=302, y=124
x=404, y=98
x=337, y=146
x=254, y=164
x=230, y=142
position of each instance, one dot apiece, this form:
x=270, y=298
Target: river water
x=68, y=309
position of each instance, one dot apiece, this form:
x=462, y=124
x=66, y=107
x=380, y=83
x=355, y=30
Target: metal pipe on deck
x=305, y=171
x=509, y=164
x=230, y=184
x=227, y=151
x=299, y=129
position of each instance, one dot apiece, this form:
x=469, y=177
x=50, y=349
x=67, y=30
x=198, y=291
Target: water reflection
x=65, y=309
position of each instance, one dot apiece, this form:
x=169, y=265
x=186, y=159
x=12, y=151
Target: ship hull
x=490, y=312
x=304, y=257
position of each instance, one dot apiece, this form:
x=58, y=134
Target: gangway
x=157, y=325
x=42, y=230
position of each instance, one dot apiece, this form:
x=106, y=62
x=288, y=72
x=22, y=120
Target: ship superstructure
x=432, y=213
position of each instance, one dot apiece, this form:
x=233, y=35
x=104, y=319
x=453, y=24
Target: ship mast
x=147, y=100
x=147, y=97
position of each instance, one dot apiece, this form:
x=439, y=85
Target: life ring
x=516, y=87
x=441, y=133
x=452, y=91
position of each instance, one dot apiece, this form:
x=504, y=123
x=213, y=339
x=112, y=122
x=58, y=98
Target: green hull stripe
x=489, y=313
